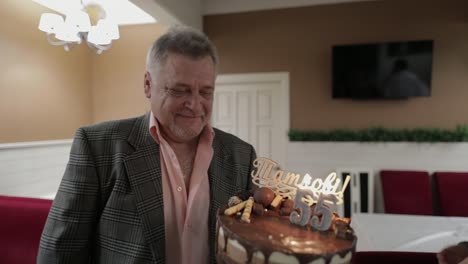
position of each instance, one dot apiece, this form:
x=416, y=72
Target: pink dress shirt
x=185, y=211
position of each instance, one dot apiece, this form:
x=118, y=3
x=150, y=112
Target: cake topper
x=305, y=190
x=286, y=184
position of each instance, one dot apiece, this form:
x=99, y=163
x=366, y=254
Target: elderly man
x=146, y=189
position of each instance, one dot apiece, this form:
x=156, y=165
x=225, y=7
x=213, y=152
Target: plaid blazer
x=109, y=206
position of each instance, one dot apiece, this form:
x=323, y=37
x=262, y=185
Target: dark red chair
x=407, y=192
x=393, y=257
x=21, y=223
x=453, y=192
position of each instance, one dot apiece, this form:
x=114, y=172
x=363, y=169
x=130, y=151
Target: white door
x=255, y=107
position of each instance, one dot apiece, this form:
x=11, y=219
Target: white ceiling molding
x=172, y=12
x=210, y=7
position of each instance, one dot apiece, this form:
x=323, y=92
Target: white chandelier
x=88, y=24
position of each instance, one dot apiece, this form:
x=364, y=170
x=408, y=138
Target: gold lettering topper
x=268, y=174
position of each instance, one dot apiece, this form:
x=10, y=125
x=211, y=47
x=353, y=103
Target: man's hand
x=453, y=255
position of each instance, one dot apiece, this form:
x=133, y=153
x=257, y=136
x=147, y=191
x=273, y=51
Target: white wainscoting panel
x=33, y=169
x=320, y=158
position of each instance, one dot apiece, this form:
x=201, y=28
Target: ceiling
x=190, y=12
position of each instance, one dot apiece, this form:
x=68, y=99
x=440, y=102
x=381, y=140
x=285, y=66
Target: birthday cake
x=279, y=224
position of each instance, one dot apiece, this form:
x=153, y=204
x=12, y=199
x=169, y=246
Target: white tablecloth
x=391, y=232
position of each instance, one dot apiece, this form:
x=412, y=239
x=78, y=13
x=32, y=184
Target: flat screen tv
x=392, y=70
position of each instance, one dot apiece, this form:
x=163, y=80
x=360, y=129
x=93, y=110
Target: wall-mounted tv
x=392, y=70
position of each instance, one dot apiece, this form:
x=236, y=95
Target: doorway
x=255, y=107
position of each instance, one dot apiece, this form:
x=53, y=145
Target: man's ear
x=147, y=84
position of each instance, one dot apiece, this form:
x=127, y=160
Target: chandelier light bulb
x=79, y=21
x=50, y=22
x=89, y=25
x=98, y=37
x=109, y=28
x=68, y=34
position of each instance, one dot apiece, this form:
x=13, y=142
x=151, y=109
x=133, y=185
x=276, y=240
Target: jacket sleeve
x=71, y=224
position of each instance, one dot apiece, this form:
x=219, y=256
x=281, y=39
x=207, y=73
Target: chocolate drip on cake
x=266, y=233
x=263, y=234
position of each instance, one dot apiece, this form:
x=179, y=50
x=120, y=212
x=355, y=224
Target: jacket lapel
x=219, y=179
x=144, y=174
x=217, y=175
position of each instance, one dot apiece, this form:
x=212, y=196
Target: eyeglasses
x=185, y=92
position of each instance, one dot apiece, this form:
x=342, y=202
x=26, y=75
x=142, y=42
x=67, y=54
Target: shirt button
x=179, y=189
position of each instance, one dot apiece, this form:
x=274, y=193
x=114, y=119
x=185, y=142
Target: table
x=392, y=232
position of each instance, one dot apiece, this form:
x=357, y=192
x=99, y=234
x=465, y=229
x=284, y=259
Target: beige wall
x=117, y=79
x=299, y=41
x=47, y=93
x=44, y=91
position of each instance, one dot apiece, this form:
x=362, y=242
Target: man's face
x=181, y=95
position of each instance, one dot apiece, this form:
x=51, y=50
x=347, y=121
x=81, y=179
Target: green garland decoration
x=380, y=134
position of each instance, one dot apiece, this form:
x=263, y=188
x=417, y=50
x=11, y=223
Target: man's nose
x=193, y=101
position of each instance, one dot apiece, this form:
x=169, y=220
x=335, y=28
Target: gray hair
x=180, y=40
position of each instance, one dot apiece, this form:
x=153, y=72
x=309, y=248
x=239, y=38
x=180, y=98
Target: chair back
x=407, y=192
x=452, y=188
x=21, y=223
